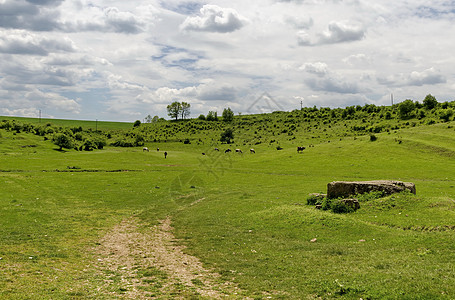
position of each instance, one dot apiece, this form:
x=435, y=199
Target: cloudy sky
x=122, y=60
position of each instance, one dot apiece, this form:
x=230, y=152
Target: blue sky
x=123, y=60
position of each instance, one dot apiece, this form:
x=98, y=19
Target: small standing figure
x=165, y=154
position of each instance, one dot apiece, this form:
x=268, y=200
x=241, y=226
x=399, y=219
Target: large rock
x=338, y=189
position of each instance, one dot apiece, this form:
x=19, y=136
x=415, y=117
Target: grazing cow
x=238, y=151
x=216, y=149
x=145, y=149
x=252, y=151
x=227, y=150
x=203, y=153
x=157, y=149
x=300, y=149
x=165, y=154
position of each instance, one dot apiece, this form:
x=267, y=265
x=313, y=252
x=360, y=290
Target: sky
x=117, y=60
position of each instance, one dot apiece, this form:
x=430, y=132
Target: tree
x=174, y=110
x=137, y=123
x=155, y=119
x=227, y=136
x=63, y=141
x=212, y=116
x=228, y=115
x=446, y=114
x=148, y=119
x=185, y=110
x=430, y=102
x=406, y=108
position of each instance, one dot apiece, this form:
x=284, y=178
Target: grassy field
x=243, y=215
x=100, y=125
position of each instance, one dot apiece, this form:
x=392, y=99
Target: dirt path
x=142, y=263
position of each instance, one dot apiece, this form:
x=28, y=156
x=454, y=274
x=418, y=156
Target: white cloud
x=318, y=68
x=341, y=32
x=25, y=43
x=215, y=19
x=415, y=78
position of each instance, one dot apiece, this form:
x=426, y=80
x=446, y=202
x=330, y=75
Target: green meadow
x=244, y=215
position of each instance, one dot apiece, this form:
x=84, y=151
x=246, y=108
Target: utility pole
x=391, y=97
x=301, y=105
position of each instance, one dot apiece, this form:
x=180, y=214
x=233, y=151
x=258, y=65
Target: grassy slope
x=251, y=226
x=100, y=125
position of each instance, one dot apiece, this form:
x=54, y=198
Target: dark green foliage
x=212, y=116
x=186, y=141
x=89, y=145
x=174, y=109
x=63, y=141
x=373, y=138
x=327, y=204
x=315, y=199
x=137, y=123
x=446, y=114
x=340, y=207
x=228, y=115
x=227, y=136
x=201, y=117
x=430, y=102
x=405, y=109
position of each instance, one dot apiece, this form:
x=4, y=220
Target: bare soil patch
x=138, y=262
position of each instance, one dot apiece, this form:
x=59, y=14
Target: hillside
x=84, y=223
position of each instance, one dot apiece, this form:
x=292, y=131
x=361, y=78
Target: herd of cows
x=252, y=151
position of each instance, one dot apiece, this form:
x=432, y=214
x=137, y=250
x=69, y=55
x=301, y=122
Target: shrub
x=201, y=117
x=340, y=207
x=99, y=143
x=326, y=204
x=373, y=138
x=78, y=136
x=228, y=115
x=430, y=102
x=315, y=199
x=406, y=109
x=63, y=141
x=186, y=141
x=227, y=136
x=212, y=116
x=446, y=114
x=89, y=145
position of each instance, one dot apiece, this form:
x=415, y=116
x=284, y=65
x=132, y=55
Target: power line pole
x=391, y=97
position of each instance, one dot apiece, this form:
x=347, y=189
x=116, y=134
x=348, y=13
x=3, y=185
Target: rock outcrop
x=338, y=189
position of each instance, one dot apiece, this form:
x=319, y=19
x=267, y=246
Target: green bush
x=63, y=141
x=446, y=114
x=340, y=207
x=314, y=200
x=326, y=204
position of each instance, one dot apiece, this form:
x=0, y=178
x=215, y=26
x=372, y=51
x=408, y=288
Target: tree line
x=182, y=109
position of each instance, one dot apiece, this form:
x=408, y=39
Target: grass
x=252, y=225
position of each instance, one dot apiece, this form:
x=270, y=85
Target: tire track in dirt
x=138, y=262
